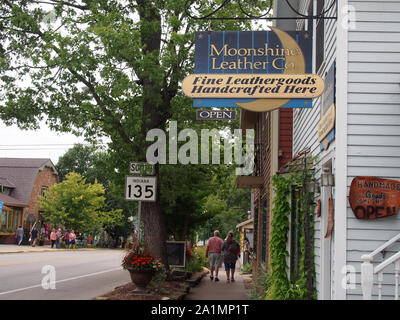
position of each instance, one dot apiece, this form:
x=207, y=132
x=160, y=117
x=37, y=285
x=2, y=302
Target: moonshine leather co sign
x=255, y=70
x=373, y=198
x=215, y=115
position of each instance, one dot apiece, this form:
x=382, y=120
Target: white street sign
x=141, y=168
x=141, y=188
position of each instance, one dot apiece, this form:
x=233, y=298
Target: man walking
x=213, y=251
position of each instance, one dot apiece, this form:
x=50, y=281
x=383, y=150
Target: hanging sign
x=372, y=198
x=255, y=70
x=326, y=126
x=215, y=115
x=327, y=123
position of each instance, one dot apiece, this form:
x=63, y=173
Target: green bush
x=248, y=267
x=158, y=280
x=196, y=260
x=261, y=283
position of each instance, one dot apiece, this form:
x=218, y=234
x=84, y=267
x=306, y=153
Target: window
x=9, y=220
x=43, y=190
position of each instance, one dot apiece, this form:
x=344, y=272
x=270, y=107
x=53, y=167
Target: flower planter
x=140, y=279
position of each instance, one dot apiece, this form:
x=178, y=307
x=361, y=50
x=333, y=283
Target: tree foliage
x=78, y=205
x=103, y=68
x=94, y=165
x=227, y=206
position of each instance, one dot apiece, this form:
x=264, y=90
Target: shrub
x=196, y=260
x=248, y=267
x=262, y=284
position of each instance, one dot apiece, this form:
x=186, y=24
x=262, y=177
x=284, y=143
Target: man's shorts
x=215, y=259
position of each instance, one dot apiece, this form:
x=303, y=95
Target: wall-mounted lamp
x=327, y=179
x=315, y=187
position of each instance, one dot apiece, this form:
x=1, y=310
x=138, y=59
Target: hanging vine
x=281, y=288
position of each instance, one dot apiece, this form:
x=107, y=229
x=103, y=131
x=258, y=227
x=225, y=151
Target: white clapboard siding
x=373, y=125
x=305, y=134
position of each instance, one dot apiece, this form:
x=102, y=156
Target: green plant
x=247, y=267
x=261, y=284
x=302, y=287
x=158, y=279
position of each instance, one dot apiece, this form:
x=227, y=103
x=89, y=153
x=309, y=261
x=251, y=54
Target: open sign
x=215, y=115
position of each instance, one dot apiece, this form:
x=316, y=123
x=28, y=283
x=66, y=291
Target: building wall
x=264, y=139
x=373, y=124
x=44, y=178
x=305, y=134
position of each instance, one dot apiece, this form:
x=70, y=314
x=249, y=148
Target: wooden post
x=367, y=277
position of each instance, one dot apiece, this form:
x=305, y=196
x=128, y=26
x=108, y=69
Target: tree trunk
x=154, y=232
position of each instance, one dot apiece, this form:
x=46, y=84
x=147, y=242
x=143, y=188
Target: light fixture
x=315, y=187
x=327, y=179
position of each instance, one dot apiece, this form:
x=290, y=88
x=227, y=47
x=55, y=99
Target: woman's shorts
x=72, y=242
x=215, y=260
x=229, y=266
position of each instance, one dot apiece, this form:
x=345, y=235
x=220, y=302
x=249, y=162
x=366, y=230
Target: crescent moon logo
x=298, y=61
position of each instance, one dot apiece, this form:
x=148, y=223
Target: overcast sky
x=43, y=143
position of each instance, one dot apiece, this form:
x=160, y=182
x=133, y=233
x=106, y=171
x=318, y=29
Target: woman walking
x=53, y=238
x=230, y=250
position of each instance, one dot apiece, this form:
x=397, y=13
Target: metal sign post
x=140, y=187
x=139, y=219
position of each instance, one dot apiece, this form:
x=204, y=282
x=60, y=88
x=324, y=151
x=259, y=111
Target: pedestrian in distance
x=34, y=235
x=72, y=239
x=230, y=251
x=66, y=238
x=246, y=250
x=213, y=251
x=58, y=238
x=20, y=235
x=53, y=238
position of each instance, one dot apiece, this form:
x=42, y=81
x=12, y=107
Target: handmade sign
x=373, y=198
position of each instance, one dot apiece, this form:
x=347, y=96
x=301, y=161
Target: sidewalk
x=13, y=248
x=221, y=290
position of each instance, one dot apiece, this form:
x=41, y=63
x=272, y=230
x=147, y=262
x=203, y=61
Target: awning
x=248, y=224
x=249, y=182
x=11, y=202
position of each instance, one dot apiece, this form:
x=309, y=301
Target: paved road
x=78, y=275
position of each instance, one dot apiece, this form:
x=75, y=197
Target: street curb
x=47, y=250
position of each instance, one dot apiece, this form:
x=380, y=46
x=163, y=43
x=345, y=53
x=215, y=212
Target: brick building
x=22, y=182
x=273, y=149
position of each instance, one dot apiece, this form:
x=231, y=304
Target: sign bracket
x=263, y=16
